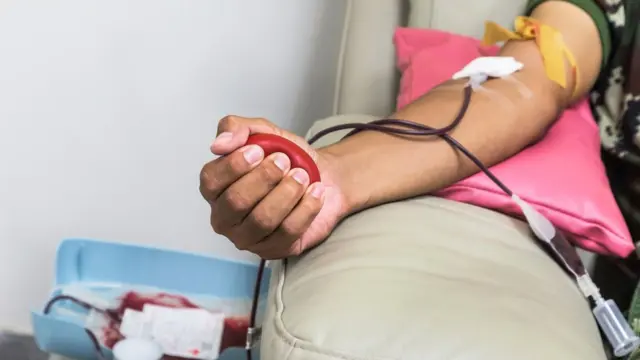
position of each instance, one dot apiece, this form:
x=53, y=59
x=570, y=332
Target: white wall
x=107, y=109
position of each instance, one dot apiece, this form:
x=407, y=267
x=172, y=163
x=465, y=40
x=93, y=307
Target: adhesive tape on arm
x=492, y=66
x=137, y=349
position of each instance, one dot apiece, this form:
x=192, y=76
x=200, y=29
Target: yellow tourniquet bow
x=549, y=41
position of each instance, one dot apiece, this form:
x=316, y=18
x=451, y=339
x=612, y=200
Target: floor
x=19, y=347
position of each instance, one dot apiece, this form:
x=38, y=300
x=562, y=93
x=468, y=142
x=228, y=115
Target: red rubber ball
x=298, y=157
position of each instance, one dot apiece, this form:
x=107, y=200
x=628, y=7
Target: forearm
x=377, y=168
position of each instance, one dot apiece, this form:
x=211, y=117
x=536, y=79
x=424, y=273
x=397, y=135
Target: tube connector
x=616, y=328
x=589, y=288
x=621, y=337
x=476, y=80
x=253, y=337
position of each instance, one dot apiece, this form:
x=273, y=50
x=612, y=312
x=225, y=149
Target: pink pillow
x=562, y=176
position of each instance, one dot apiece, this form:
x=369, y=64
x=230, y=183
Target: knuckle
x=207, y=182
x=226, y=122
x=263, y=121
x=204, y=177
x=216, y=222
x=269, y=172
x=296, y=248
x=235, y=163
x=290, y=228
x=238, y=238
x=311, y=206
x=216, y=226
x=291, y=188
x=262, y=220
x=241, y=246
x=215, y=175
x=235, y=200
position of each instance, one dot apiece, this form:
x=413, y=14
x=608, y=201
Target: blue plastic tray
x=89, y=261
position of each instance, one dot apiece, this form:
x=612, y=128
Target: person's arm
x=493, y=132
x=265, y=204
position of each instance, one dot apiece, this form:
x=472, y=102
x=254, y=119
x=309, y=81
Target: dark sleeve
x=595, y=9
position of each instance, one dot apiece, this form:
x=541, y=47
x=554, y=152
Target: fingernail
x=281, y=161
x=317, y=191
x=300, y=176
x=253, y=154
x=223, y=138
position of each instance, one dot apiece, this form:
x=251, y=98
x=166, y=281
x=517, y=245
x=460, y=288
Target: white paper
x=188, y=333
x=135, y=324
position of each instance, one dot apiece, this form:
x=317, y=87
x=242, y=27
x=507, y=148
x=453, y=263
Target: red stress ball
x=299, y=158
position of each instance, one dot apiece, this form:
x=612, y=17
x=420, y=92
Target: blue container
x=81, y=261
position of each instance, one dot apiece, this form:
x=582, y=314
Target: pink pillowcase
x=562, y=176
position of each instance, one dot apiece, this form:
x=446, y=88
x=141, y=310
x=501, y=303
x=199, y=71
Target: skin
x=264, y=206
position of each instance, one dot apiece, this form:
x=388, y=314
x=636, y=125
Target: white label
x=135, y=324
x=188, y=333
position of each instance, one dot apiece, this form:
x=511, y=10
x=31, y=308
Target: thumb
x=233, y=132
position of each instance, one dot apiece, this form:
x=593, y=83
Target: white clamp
x=482, y=68
x=588, y=288
x=253, y=337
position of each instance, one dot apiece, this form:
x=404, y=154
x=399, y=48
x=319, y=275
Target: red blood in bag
x=299, y=158
x=234, y=332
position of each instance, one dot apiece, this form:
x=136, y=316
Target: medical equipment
x=114, y=276
x=137, y=349
x=619, y=334
x=549, y=41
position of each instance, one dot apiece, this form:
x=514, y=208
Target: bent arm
x=493, y=132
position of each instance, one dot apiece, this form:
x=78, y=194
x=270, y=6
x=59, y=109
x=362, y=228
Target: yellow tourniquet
x=549, y=40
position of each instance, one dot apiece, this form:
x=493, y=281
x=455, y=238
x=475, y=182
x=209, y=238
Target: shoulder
x=615, y=20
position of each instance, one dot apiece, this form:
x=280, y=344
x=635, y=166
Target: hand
x=261, y=204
